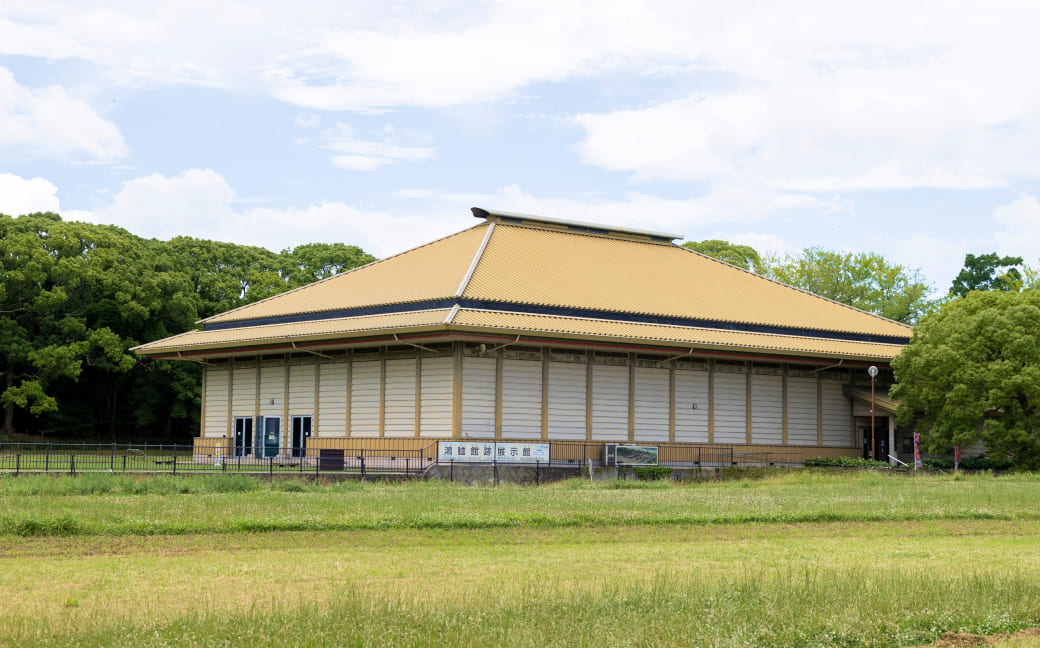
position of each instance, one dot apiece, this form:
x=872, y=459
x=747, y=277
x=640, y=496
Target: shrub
x=846, y=462
x=652, y=473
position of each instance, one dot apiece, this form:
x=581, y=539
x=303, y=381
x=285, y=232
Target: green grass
x=98, y=504
x=801, y=558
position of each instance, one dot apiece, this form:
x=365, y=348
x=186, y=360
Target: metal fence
x=360, y=459
x=180, y=459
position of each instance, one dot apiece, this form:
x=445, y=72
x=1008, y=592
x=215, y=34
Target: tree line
x=972, y=369
x=76, y=297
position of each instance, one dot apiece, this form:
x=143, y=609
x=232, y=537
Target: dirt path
x=966, y=640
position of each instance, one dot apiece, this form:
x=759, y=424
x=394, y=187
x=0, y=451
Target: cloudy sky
x=911, y=129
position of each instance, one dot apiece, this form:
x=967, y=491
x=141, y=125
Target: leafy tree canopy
x=742, y=256
x=972, y=371
x=982, y=272
x=75, y=297
x=864, y=280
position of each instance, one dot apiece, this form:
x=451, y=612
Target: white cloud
x=816, y=97
x=194, y=203
x=762, y=243
x=47, y=122
x=25, y=196
x=360, y=155
x=200, y=203
x=938, y=259
x=1018, y=229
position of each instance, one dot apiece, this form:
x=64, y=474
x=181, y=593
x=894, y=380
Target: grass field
x=801, y=558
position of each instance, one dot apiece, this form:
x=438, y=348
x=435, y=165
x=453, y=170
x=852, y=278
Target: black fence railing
x=174, y=459
x=363, y=459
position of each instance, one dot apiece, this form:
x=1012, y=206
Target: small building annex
x=523, y=328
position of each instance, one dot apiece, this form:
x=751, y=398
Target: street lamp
x=872, y=372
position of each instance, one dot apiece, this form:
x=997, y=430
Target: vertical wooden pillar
x=671, y=400
x=202, y=426
x=499, y=364
x=711, y=400
x=590, y=359
x=230, y=402
x=784, y=371
x=456, y=390
x=382, y=392
x=749, y=367
x=317, y=396
x=286, y=430
x=349, y=395
x=631, y=397
x=418, y=392
x=819, y=409
x=256, y=397
x=545, y=393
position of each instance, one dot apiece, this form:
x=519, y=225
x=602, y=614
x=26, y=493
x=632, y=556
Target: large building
x=524, y=328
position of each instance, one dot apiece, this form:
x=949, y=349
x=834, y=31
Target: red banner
x=917, y=450
x=956, y=456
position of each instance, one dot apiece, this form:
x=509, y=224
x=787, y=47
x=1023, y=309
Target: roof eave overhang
x=450, y=332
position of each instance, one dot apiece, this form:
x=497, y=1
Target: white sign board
x=490, y=451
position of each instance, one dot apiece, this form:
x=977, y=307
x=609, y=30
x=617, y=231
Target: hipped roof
x=523, y=274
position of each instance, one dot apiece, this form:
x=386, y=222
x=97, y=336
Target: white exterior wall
x=767, y=402
x=567, y=400
x=730, y=407
x=243, y=389
x=837, y=413
x=272, y=388
x=801, y=410
x=215, y=418
x=435, y=397
x=691, y=387
x=301, y=388
x=332, y=399
x=609, y=403
x=478, y=397
x=653, y=410
x=399, y=419
x=364, y=399
x=521, y=399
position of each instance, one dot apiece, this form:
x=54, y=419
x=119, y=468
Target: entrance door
x=272, y=435
x=881, y=449
x=243, y=436
x=301, y=430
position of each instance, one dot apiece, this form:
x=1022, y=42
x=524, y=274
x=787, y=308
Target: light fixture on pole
x=872, y=372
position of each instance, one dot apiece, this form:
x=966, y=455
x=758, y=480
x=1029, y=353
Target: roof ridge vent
x=511, y=218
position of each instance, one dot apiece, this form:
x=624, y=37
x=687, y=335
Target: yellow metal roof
x=511, y=262
x=295, y=332
x=432, y=271
x=532, y=265
x=704, y=338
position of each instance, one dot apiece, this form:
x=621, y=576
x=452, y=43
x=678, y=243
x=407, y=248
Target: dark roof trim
x=510, y=307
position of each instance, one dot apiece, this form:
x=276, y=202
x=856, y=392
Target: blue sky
x=910, y=129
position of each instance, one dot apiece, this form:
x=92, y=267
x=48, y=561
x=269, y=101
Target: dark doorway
x=881, y=449
x=243, y=436
x=301, y=431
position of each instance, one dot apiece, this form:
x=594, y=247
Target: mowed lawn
x=799, y=558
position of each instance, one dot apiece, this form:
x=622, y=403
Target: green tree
x=982, y=272
x=972, y=371
x=74, y=299
x=308, y=263
x=864, y=280
x=742, y=256
x=227, y=275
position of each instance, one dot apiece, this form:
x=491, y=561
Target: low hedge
x=846, y=462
